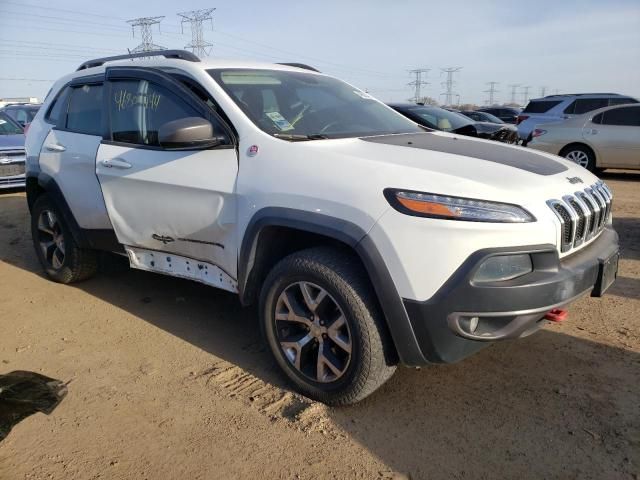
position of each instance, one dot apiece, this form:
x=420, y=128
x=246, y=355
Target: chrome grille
x=582, y=215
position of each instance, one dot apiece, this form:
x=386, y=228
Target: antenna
x=418, y=82
x=449, y=84
x=145, y=24
x=195, y=18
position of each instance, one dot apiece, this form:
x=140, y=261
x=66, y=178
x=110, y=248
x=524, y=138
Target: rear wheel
x=581, y=155
x=56, y=249
x=323, y=325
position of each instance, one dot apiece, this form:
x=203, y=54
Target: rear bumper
x=509, y=309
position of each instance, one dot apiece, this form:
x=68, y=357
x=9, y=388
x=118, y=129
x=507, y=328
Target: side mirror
x=189, y=132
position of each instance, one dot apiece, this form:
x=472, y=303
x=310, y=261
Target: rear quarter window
x=623, y=116
x=541, y=106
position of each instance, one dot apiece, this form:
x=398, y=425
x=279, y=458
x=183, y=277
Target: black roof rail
x=299, y=65
x=581, y=94
x=180, y=54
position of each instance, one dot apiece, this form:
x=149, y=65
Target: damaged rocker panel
x=179, y=266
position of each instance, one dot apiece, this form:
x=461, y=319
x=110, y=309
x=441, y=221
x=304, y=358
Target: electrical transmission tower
x=525, y=94
x=513, y=88
x=418, y=83
x=543, y=91
x=492, y=92
x=145, y=24
x=449, y=84
x=195, y=18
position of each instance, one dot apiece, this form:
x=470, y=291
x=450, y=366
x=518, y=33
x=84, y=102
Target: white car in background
x=604, y=138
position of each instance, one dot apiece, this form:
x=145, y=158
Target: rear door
x=68, y=153
x=173, y=201
x=615, y=134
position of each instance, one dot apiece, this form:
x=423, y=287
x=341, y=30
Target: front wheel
x=59, y=255
x=324, y=327
x=580, y=155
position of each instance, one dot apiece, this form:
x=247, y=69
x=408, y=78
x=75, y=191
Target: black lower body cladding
x=507, y=309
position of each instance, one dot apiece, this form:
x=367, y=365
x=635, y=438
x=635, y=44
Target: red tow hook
x=556, y=315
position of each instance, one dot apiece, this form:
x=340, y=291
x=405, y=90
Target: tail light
x=537, y=132
x=521, y=118
x=26, y=127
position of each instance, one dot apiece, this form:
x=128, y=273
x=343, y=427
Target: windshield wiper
x=295, y=137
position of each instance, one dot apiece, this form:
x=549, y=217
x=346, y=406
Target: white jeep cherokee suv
x=366, y=240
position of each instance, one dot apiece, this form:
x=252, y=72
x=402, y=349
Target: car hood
x=450, y=164
x=11, y=142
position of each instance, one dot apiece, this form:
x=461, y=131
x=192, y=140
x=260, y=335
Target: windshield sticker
x=124, y=99
x=280, y=121
x=362, y=94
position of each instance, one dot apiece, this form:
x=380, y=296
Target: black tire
x=77, y=264
x=577, y=152
x=372, y=356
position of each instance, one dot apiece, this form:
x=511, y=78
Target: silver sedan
x=604, y=138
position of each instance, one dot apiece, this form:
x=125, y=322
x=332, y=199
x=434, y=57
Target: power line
x=145, y=24
x=449, y=84
x=195, y=18
x=492, y=91
x=525, y=94
x=513, y=88
x=418, y=82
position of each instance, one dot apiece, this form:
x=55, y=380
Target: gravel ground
x=168, y=379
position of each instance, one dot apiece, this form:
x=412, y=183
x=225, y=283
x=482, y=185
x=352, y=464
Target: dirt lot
x=168, y=380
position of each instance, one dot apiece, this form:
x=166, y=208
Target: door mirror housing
x=189, y=132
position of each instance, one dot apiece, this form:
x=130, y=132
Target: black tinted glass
x=8, y=126
x=584, y=105
x=139, y=108
x=85, y=110
x=541, y=106
x=629, y=116
x=621, y=101
x=58, y=106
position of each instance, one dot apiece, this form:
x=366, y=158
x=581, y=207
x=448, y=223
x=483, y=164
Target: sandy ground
x=168, y=379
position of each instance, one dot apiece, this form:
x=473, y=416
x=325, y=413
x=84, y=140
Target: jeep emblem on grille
x=573, y=180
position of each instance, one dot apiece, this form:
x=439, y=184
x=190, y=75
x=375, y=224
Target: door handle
x=115, y=163
x=54, y=147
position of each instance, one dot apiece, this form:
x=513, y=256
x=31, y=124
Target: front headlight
x=455, y=208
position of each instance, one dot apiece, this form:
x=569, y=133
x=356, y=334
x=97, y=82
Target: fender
x=97, y=239
x=353, y=236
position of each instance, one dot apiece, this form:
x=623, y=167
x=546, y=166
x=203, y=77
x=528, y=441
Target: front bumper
x=508, y=309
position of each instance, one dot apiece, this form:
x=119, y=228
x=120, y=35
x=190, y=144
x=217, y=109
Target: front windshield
x=299, y=105
x=440, y=118
x=8, y=127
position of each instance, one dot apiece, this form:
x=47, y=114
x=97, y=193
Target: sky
x=561, y=46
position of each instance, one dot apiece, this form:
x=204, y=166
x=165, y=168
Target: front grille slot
x=583, y=215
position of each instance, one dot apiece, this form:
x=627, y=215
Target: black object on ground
x=25, y=393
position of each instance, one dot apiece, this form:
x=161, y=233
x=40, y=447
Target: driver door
x=178, y=201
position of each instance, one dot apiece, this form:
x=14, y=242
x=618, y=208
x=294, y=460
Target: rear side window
x=627, y=116
x=58, y=106
x=139, y=108
x=541, y=106
x=84, y=114
x=584, y=105
x=621, y=101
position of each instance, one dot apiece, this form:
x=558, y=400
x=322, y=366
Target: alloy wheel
x=51, y=239
x=313, y=332
x=579, y=157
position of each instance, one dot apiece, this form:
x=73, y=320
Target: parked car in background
x=605, y=138
x=12, y=156
x=448, y=121
x=506, y=114
x=554, y=108
x=22, y=113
